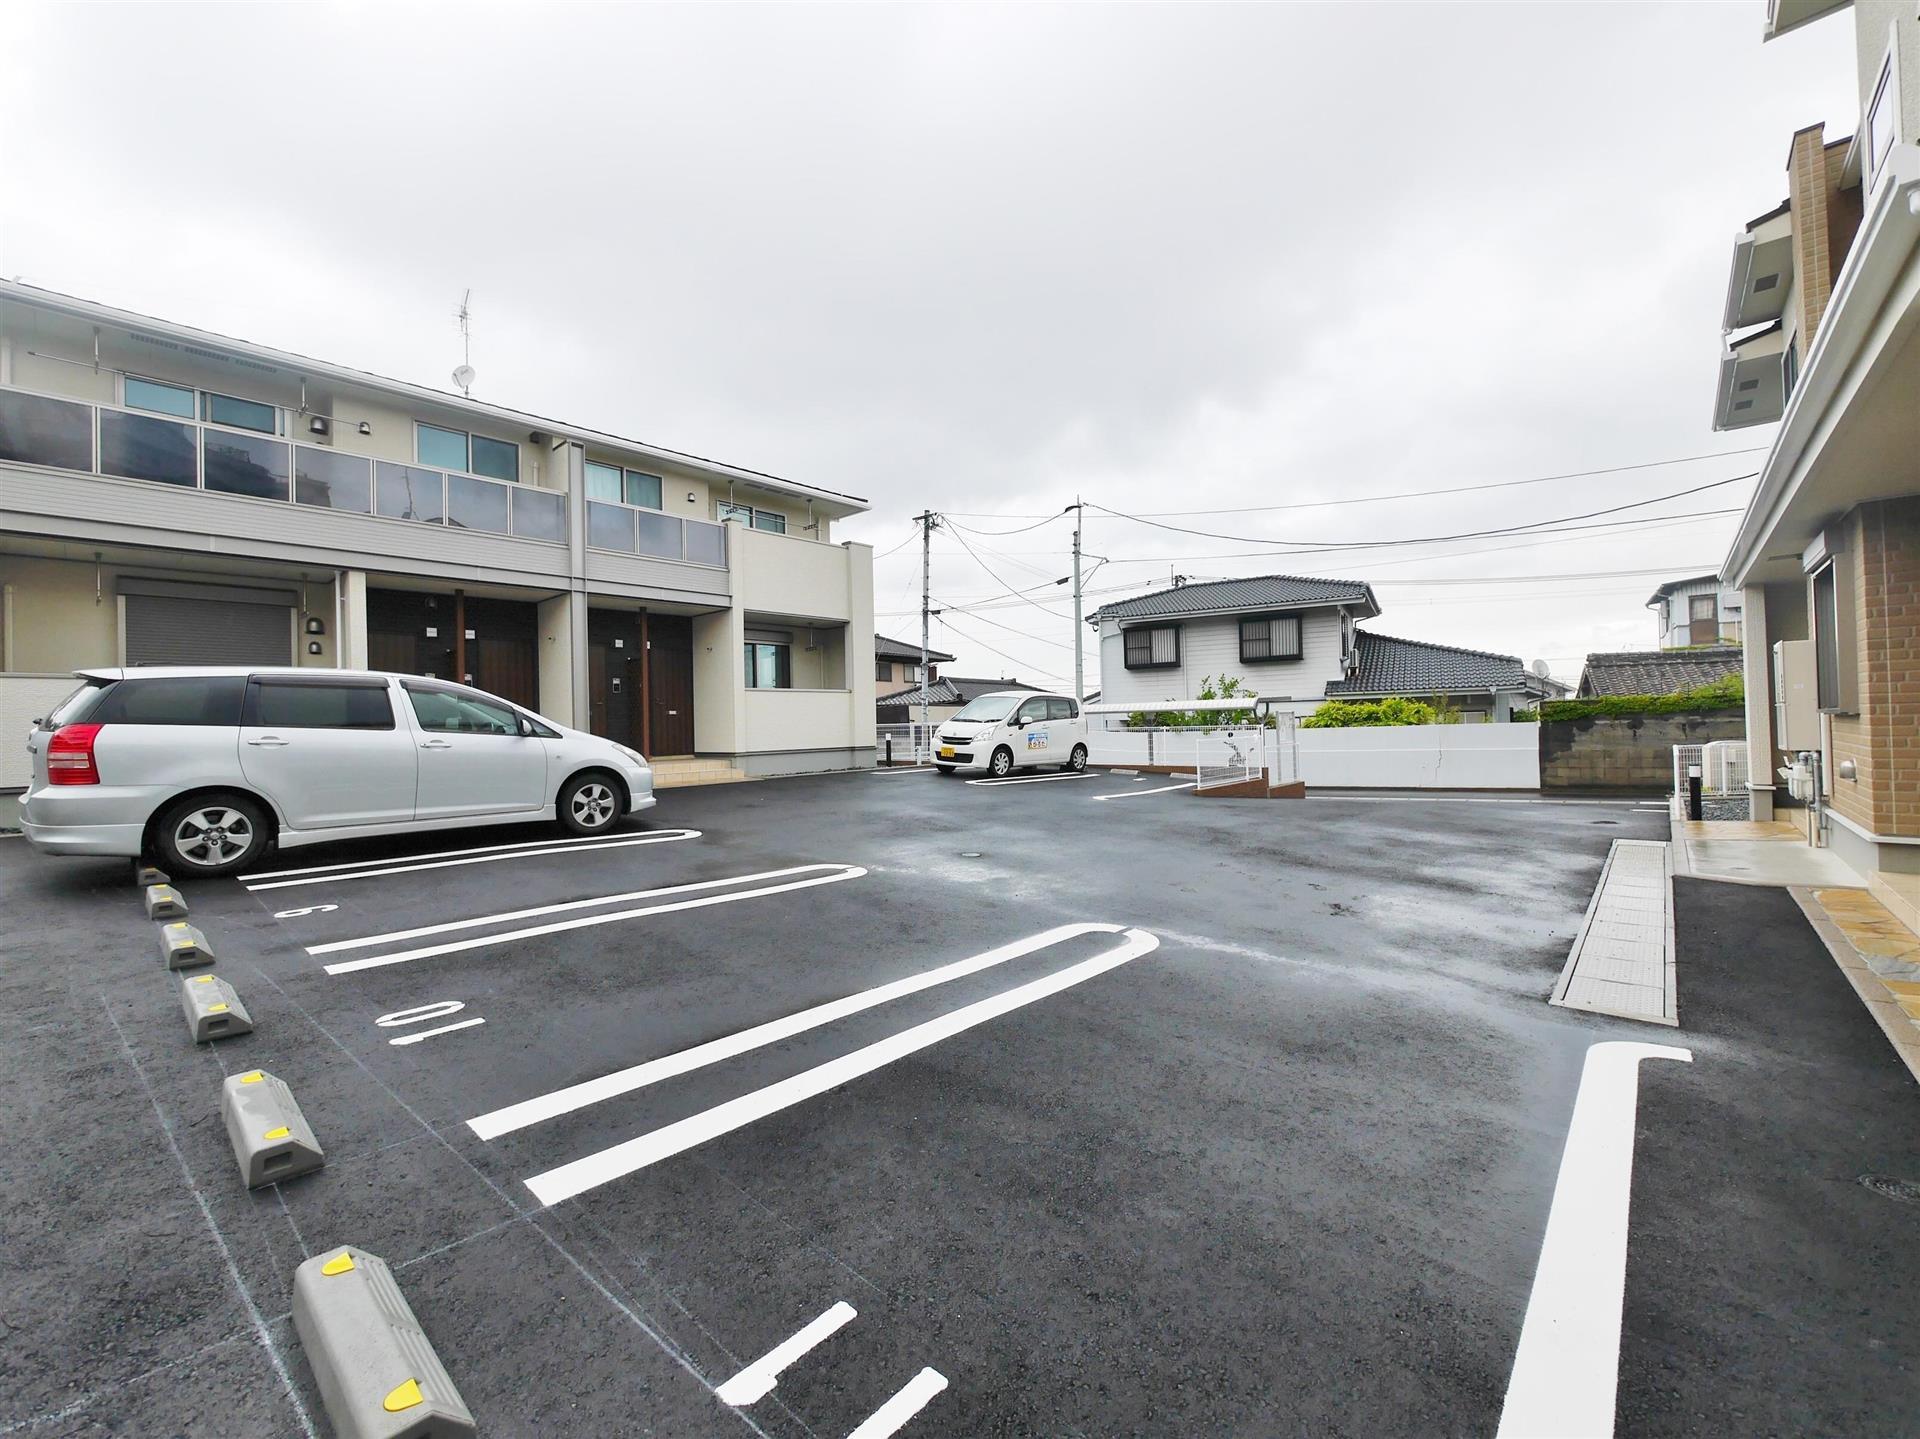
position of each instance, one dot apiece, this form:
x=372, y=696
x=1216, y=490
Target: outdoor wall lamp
x=318, y=424
x=316, y=625
x=365, y=428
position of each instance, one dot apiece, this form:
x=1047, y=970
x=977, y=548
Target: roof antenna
x=463, y=377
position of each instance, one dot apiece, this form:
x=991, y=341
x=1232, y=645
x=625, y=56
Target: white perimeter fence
x=23, y=699
x=1457, y=756
x=910, y=742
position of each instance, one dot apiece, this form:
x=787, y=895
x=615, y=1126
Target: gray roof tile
x=886, y=649
x=1260, y=592
x=1657, y=672
x=1388, y=666
x=949, y=690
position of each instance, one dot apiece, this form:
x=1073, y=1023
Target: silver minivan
x=205, y=768
x=1012, y=729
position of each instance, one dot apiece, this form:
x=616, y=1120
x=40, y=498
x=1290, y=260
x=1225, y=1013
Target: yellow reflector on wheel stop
x=404, y=1396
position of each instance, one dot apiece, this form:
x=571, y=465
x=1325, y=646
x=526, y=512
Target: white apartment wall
x=1210, y=646
x=1873, y=22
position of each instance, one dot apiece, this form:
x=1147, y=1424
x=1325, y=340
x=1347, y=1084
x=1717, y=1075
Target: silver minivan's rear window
x=75, y=708
x=174, y=700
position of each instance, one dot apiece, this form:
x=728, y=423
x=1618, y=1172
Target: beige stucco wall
x=56, y=623
x=1874, y=22
x=719, y=681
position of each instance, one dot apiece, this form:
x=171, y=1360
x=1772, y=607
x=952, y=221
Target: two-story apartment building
x=170, y=495
x=1828, y=551
x=1695, y=611
x=1295, y=640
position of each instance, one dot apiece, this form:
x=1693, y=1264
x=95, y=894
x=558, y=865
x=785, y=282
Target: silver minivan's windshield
x=988, y=708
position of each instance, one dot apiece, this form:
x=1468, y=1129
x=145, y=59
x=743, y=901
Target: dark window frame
x=1148, y=632
x=250, y=712
x=1266, y=639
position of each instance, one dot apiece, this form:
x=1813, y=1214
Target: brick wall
x=1626, y=751
x=1883, y=739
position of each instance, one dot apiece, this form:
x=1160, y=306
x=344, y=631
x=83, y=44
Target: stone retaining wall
x=1626, y=751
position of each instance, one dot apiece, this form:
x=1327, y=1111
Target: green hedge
x=1727, y=694
x=1344, y=714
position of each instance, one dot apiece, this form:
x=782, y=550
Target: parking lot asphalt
x=1266, y=1144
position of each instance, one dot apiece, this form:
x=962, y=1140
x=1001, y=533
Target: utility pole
x=1079, y=663
x=927, y=520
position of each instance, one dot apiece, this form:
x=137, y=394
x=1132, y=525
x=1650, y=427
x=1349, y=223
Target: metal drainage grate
x=1906, y=1191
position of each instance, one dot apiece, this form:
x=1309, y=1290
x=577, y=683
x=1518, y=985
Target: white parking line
x=1566, y=1373
x=837, y=873
x=914, y=1396
x=757, y=1379
x=901, y=769
x=1136, y=793
x=438, y=854
x=593, y=1091
x=1032, y=779
x=609, y=1164
x=667, y=836
x=429, y=1033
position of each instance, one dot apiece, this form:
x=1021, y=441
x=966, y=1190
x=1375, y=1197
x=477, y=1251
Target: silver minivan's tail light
x=70, y=755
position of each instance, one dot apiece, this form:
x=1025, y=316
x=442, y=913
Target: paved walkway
x=1755, y=852
x=1880, y=957
x=1622, y=958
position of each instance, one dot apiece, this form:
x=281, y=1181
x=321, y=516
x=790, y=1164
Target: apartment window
x=443, y=449
x=1826, y=636
x=161, y=399
x=603, y=482
x=769, y=666
x=1269, y=637
x=474, y=454
x=499, y=459
x=643, y=489
x=1152, y=647
x=883, y=671
x=239, y=414
x=772, y=521
x=1879, y=126
x=1790, y=367
x=631, y=487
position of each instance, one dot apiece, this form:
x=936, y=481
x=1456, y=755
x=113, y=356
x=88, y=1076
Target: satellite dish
x=463, y=377
x=1539, y=667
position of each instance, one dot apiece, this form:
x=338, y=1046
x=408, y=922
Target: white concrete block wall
x=1489, y=756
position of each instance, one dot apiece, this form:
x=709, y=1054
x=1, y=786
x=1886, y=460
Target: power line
x=1023, y=634
x=1002, y=583
x=975, y=639
x=1400, y=495
x=1534, y=526
x=1021, y=530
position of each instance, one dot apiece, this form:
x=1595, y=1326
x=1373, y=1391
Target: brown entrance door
x=670, y=683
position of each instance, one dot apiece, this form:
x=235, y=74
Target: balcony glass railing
x=126, y=444
x=635, y=531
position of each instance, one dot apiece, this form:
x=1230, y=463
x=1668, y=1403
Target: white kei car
x=1012, y=729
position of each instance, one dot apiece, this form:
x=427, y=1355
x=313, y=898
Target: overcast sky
x=984, y=259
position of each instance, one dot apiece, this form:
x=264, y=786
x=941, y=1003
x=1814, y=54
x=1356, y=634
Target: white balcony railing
x=65, y=434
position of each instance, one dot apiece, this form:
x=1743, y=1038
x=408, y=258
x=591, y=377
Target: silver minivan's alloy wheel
x=1002, y=762
x=594, y=805
x=215, y=834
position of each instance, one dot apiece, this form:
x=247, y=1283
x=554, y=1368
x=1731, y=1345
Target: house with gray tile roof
x=945, y=696
x=1295, y=639
x=1479, y=683
x=896, y=666
x=1657, y=672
